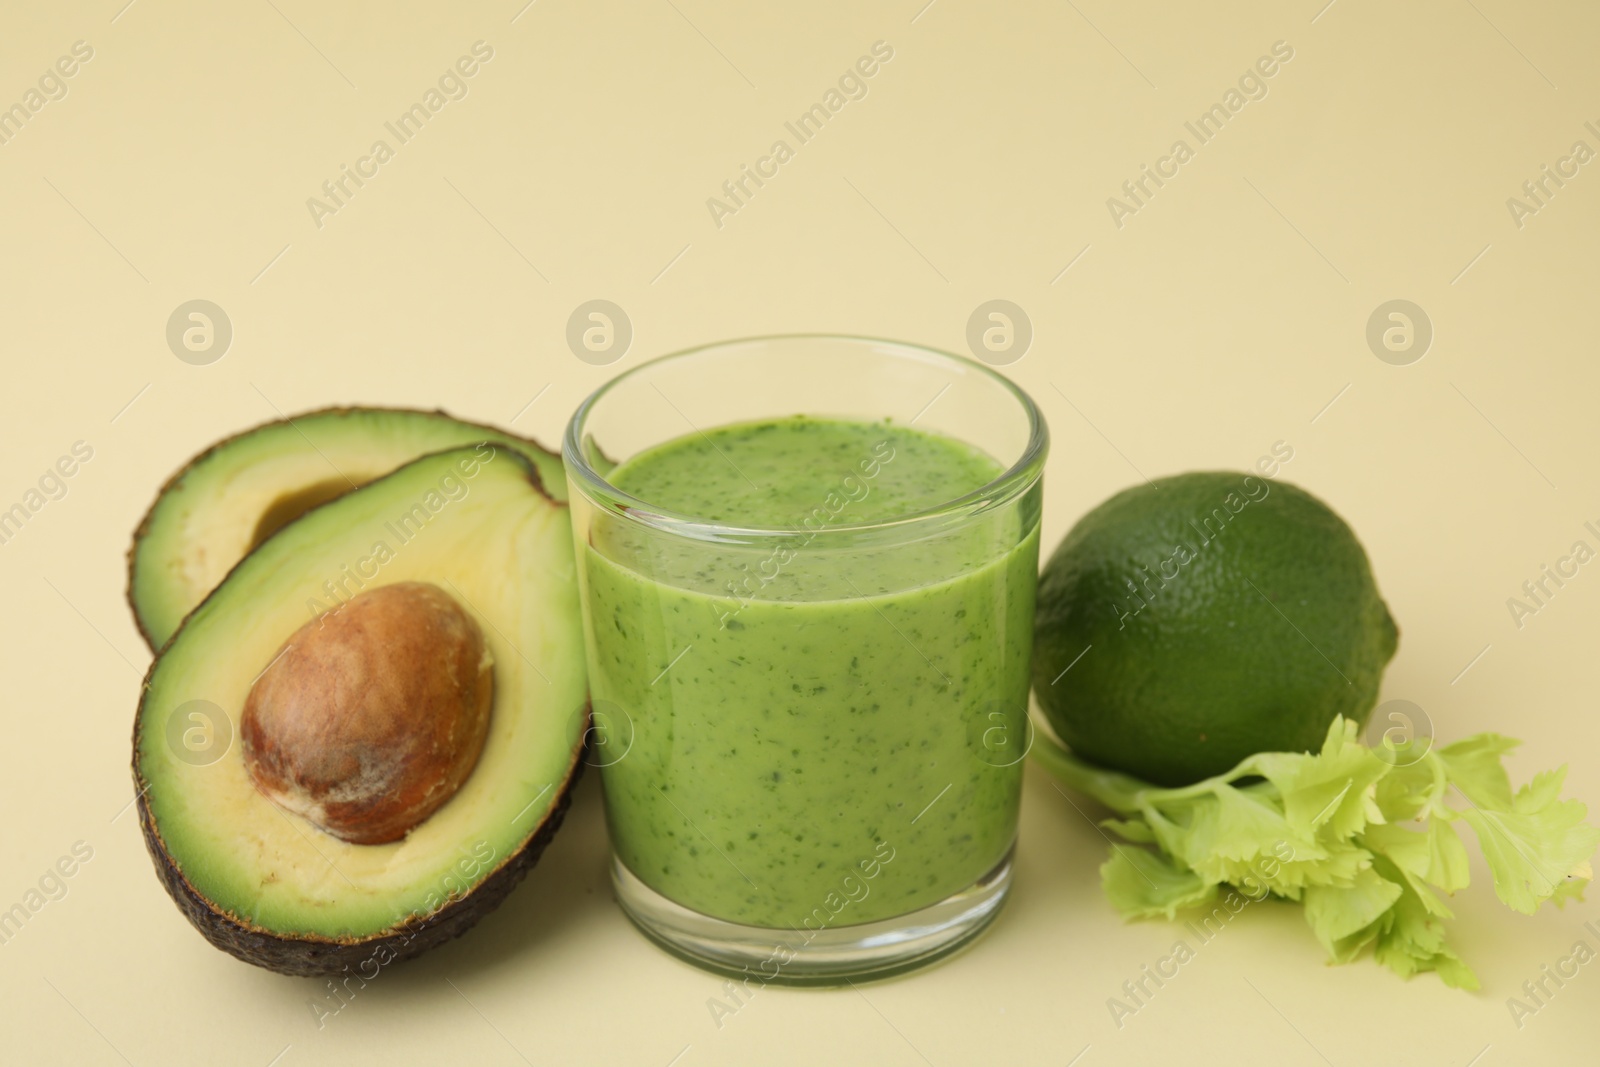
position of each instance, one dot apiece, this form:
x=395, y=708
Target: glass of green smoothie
x=808, y=568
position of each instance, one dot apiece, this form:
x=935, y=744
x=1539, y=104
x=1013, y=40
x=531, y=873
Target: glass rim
x=1006, y=486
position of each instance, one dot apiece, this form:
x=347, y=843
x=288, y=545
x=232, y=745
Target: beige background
x=1227, y=314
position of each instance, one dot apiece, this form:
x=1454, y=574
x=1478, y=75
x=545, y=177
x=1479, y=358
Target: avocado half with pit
x=363, y=738
x=238, y=492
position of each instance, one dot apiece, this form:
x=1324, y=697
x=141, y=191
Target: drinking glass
x=810, y=735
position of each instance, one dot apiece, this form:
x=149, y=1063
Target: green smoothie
x=822, y=728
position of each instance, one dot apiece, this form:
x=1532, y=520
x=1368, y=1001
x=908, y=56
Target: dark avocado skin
x=177, y=476
x=311, y=957
x=1219, y=663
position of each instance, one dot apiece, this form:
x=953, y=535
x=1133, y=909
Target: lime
x=1184, y=624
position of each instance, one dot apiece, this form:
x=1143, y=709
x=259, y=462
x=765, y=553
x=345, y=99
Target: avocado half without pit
x=363, y=738
x=237, y=493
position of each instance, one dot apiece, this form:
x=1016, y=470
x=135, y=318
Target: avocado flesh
x=272, y=888
x=238, y=492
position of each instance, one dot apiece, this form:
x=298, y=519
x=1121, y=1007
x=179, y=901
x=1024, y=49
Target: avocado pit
x=373, y=714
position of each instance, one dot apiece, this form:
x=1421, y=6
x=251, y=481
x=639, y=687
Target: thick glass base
x=831, y=956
